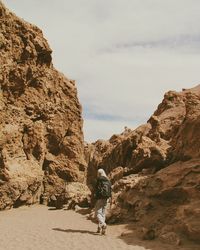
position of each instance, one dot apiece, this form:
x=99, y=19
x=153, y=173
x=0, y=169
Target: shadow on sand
x=74, y=231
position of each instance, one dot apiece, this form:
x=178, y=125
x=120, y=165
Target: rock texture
x=155, y=170
x=41, y=139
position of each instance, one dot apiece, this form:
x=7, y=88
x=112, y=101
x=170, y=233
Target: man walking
x=102, y=194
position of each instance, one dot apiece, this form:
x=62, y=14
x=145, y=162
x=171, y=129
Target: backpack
x=104, y=188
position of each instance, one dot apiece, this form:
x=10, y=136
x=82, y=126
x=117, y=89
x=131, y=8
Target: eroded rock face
x=155, y=170
x=171, y=134
x=41, y=139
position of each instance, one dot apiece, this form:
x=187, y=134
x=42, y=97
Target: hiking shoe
x=103, y=232
x=99, y=230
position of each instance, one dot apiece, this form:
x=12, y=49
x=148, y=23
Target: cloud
x=123, y=54
x=105, y=128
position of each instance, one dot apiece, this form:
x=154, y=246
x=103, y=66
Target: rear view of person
x=102, y=194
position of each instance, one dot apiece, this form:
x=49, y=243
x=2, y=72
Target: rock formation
x=41, y=139
x=155, y=170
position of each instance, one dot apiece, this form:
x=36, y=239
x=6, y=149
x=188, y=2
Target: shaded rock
x=116, y=174
x=126, y=233
x=82, y=210
x=189, y=219
x=147, y=234
x=74, y=194
x=170, y=238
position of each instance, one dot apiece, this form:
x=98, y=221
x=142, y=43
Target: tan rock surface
x=155, y=170
x=41, y=139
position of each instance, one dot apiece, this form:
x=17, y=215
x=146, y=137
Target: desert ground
x=39, y=227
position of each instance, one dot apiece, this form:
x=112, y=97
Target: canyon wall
x=155, y=170
x=41, y=138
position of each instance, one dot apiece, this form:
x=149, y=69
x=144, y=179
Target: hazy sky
x=123, y=54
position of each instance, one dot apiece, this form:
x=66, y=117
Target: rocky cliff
x=155, y=170
x=41, y=139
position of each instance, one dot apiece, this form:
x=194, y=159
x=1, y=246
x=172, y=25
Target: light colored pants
x=100, y=212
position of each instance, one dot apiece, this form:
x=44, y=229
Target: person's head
x=101, y=172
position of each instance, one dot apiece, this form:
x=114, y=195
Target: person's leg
x=104, y=204
x=100, y=210
x=98, y=215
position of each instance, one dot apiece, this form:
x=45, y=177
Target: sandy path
x=36, y=227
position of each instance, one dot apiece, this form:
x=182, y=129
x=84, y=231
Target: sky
x=123, y=54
